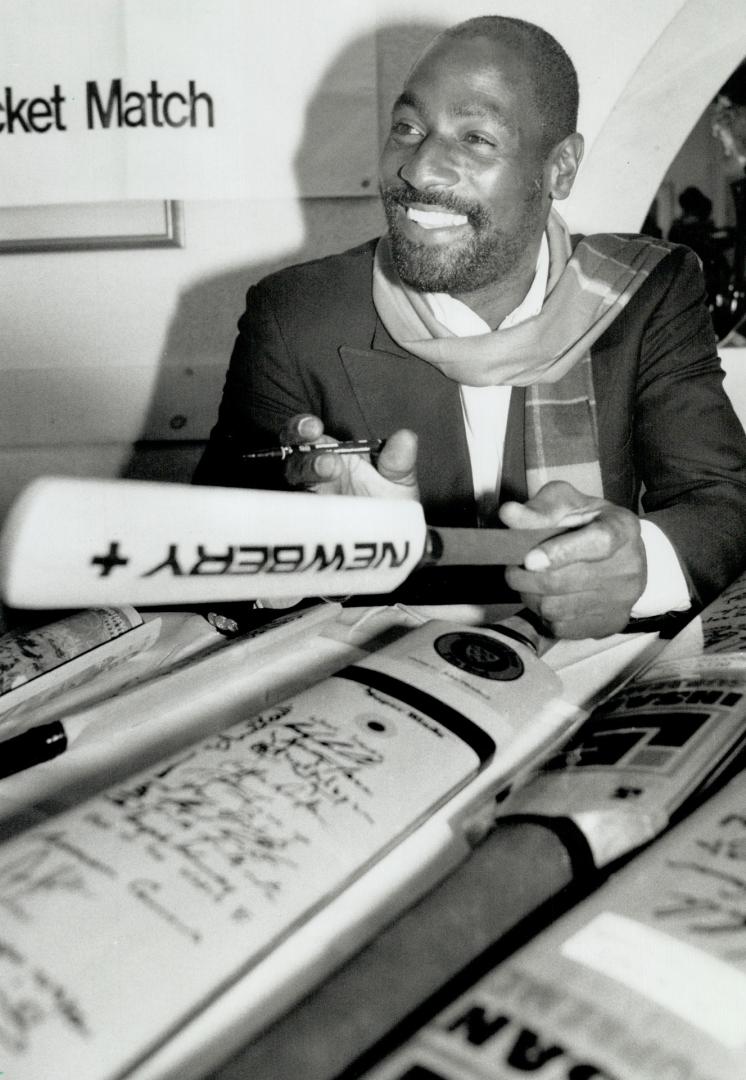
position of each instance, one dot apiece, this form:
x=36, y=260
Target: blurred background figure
x=696, y=228
x=729, y=127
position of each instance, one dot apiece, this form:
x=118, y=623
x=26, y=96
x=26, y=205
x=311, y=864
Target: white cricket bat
x=71, y=542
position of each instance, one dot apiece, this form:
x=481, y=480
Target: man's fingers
x=302, y=470
x=556, y=503
x=397, y=461
x=591, y=543
x=350, y=474
x=302, y=428
x=561, y=582
x=580, y=579
x=325, y=466
x=582, y=615
x=521, y=516
x=313, y=468
x=606, y=533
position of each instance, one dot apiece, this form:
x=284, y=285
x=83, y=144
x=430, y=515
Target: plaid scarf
x=549, y=353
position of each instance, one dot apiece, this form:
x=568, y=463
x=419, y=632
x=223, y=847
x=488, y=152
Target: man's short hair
x=549, y=69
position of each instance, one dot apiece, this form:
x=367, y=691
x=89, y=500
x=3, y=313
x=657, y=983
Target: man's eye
x=405, y=130
x=476, y=138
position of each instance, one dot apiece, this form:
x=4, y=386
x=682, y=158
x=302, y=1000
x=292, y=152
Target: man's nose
x=430, y=166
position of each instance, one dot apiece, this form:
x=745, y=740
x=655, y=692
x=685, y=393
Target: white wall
x=100, y=349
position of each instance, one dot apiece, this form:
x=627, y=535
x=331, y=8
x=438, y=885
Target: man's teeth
x=435, y=219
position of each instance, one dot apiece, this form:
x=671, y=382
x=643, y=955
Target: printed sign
x=101, y=100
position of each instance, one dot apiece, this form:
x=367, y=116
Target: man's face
x=462, y=171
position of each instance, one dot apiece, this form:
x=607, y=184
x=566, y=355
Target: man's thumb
x=397, y=461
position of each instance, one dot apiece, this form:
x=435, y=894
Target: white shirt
x=485, y=411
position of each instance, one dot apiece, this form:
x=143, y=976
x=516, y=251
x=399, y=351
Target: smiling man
x=520, y=376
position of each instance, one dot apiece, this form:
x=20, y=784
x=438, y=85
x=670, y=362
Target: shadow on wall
x=329, y=225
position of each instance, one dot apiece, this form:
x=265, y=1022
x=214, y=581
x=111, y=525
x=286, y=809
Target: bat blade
x=71, y=542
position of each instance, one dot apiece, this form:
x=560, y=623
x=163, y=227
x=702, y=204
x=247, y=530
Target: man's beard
x=489, y=254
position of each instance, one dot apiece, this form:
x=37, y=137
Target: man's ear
x=562, y=165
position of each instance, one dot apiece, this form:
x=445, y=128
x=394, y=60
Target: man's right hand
x=393, y=476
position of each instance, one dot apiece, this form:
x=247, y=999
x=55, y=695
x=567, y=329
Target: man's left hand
x=583, y=582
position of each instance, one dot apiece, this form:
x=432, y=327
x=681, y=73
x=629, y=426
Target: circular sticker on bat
x=480, y=655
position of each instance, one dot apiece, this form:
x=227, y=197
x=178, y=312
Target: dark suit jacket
x=310, y=341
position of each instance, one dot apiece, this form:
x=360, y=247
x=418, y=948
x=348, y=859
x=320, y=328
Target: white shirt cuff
x=666, y=588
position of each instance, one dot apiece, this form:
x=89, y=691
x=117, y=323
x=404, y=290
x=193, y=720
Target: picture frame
x=135, y=223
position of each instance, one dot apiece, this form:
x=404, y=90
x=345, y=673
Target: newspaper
x=661, y=740
x=37, y=665
x=644, y=980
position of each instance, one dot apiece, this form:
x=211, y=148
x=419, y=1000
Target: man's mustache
x=405, y=195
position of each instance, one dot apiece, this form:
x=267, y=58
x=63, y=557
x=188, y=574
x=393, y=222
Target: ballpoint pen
x=354, y=446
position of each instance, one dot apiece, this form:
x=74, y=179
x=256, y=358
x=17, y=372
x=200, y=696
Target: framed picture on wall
x=134, y=223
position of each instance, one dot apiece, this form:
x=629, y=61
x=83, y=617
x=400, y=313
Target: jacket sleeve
x=690, y=448
x=263, y=389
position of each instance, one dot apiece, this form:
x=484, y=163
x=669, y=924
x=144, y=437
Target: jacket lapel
x=393, y=390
